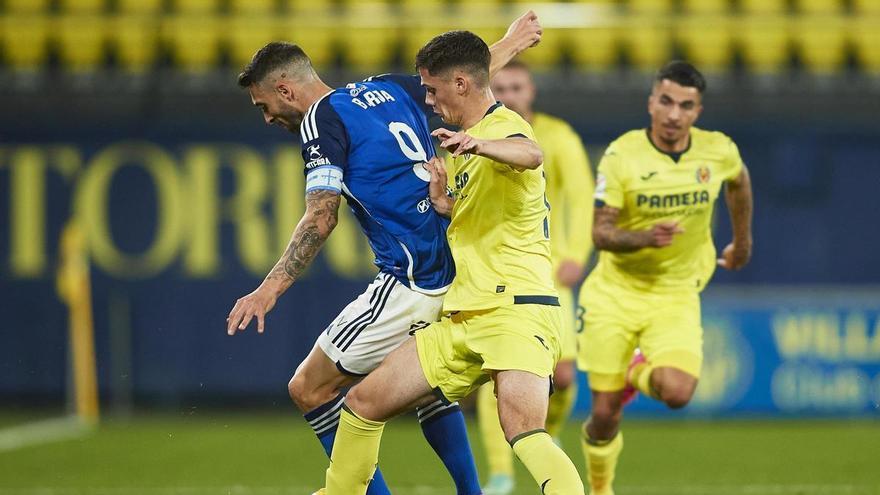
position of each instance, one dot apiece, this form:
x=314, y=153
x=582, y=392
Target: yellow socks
x=640, y=378
x=548, y=464
x=498, y=453
x=561, y=403
x=355, y=454
x=601, y=462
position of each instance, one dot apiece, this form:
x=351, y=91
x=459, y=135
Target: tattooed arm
x=321, y=216
x=608, y=237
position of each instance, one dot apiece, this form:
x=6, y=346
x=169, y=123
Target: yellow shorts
x=665, y=327
x=459, y=352
x=569, y=324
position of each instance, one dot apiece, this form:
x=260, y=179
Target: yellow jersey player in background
x=502, y=320
x=569, y=192
x=655, y=193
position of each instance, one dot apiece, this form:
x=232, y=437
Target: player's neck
x=669, y=147
x=476, y=109
x=313, y=92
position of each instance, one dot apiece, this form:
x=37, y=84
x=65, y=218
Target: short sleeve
x=734, y=164
x=609, y=189
x=325, y=148
x=412, y=85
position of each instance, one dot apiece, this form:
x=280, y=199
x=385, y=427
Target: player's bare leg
x=673, y=386
x=522, y=409
x=396, y=386
x=316, y=381
x=602, y=440
x=562, y=400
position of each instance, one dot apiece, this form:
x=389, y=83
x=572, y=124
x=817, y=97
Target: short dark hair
x=273, y=56
x=683, y=73
x=456, y=50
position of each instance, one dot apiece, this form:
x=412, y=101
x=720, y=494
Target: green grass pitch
x=240, y=454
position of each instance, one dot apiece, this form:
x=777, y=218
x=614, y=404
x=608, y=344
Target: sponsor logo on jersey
x=424, y=205
x=648, y=176
x=703, y=175
x=317, y=163
x=355, y=89
x=690, y=198
x=315, y=151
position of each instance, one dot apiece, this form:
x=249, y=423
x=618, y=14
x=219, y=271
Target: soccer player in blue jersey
x=368, y=142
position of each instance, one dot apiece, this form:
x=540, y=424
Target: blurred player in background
x=569, y=192
x=368, y=142
x=655, y=194
x=503, y=320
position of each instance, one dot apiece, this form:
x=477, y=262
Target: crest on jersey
x=315, y=151
x=355, y=89
x=703, y=175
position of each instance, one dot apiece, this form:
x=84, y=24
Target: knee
x=606, y=414
x=676, y=397
x=677, y=394
x=307, y=397
x=361, y=402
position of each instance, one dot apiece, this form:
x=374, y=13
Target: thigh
x=450, y=367
x=523, y=337
x=568, y=337
x=523, y=399
x=673, y=336
x=376, y=323
x=609, y=335
x=396, y=386
x=318, y=372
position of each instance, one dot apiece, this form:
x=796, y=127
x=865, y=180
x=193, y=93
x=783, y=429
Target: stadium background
x=125, y=115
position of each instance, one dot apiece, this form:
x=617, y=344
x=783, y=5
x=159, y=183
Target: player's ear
x=284, y=90
x=461, y=83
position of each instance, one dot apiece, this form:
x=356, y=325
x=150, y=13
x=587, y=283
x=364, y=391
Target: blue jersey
x=368, y=141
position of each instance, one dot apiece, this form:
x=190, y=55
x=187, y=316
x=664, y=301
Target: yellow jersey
x=569, y=189
x=499, y=234
x=651, y=186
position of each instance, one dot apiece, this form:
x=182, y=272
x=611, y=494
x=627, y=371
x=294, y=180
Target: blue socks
x=324, y=420
x=444, y=428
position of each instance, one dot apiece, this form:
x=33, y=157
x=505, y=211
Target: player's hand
x=525, y=32
x=457, y=143
x=257, y=303
x=569, y=273
x=438, y=186
x=735, y=256
x=661, y=234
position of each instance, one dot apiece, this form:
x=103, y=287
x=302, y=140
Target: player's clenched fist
x=663, y=233
x=257, y=303
x=457, y=143
x=525, y=32
x=735, y=256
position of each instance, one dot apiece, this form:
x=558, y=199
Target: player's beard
x=291, y=121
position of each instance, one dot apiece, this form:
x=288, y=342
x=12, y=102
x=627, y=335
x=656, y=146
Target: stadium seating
x=865, y=38
x=80, y=40
x=594, y=49
x=251, y=7
x=247, y=34
x=764, y=42
x=647, y=44
x=25, y=41
x=82, y=6
x=193, y=41
x=195, y=6
x=135, y=42
x=820, y=42
x=317, y=40
x=705, y=6
x=26, y=6
x=139, y=6
x=374, y=35
x=707, y=41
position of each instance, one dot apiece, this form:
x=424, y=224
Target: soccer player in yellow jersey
x=569, y=192
x=503, y=320
x=655, y=192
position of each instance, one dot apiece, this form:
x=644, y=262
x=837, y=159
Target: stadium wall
x=186, y=214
